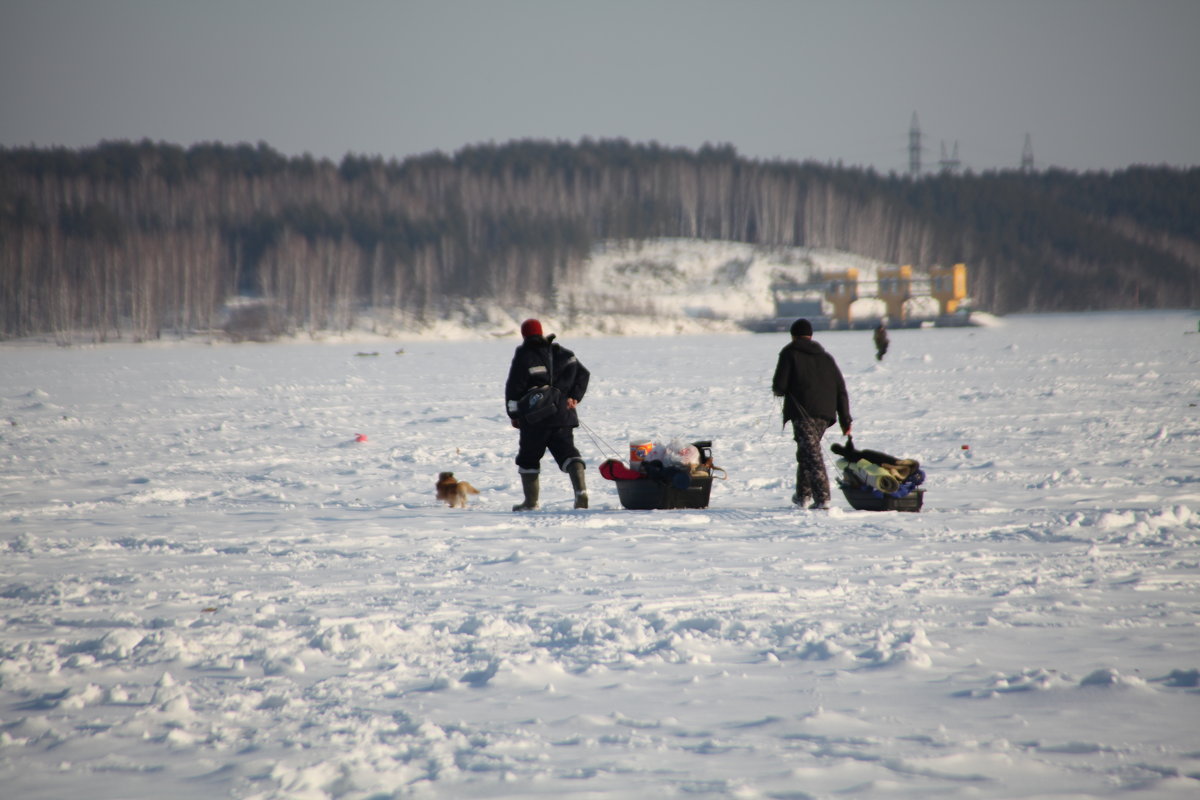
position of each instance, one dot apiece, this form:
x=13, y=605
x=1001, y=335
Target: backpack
x=538, y=404
x=541, y=402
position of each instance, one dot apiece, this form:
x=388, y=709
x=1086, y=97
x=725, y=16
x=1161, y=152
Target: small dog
x=453, y=492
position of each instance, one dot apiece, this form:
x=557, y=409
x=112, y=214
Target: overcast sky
x=1096, y=84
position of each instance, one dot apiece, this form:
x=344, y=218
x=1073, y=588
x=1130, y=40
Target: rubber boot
x=578, y=484
x=529, y=483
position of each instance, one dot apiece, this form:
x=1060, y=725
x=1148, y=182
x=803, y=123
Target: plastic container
x=638, y=451
x=866, y=500
x=648, y=493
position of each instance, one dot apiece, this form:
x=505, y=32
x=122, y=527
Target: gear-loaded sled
x=875, y=481
x=661, y=476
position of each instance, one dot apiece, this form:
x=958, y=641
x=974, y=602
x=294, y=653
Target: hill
x=647, y=287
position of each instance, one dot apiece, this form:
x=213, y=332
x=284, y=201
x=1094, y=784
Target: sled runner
x=875, y=481
x=668, y=481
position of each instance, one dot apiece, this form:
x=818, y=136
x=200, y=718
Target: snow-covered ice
x=209, y=588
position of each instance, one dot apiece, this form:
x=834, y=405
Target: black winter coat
x=811, y=385
x=531, y=367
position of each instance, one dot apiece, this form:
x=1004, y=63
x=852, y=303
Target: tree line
x=144, y=238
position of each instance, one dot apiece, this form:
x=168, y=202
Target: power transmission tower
x=950, y=165
x=1027, y=155
x=914, y=148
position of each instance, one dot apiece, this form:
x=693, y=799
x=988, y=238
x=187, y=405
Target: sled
x=647, y=493
x=875, y=481
x=658, y=487
x=864, y=499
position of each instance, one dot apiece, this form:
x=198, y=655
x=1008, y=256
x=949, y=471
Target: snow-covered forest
x=145, y=240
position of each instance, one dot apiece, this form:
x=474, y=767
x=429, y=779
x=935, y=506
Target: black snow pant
x=812, y=482
x=534, y=443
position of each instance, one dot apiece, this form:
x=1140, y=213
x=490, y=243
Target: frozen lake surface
x=209, y=588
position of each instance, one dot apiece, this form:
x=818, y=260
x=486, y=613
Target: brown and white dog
x=453, y=492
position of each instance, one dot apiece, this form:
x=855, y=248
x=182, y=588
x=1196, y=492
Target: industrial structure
x=950, y=164
x=827, y=300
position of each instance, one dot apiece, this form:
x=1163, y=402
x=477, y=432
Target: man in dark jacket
x=814, y=397
x=881, y=341
x=538, y=361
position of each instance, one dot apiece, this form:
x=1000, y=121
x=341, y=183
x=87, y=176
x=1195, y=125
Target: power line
x=914, y=148
x=950, y=163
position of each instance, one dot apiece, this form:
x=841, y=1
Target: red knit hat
x=531, y=327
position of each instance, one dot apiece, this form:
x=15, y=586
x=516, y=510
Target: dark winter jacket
x=531, y=367
x=811, y=385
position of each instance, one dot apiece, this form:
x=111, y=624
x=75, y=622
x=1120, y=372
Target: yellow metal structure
x=841, y=291
x=895, y=287
x=948, y=285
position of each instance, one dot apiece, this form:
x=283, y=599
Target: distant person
x=814, y=397
x=881, y=341
x=538, y=361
